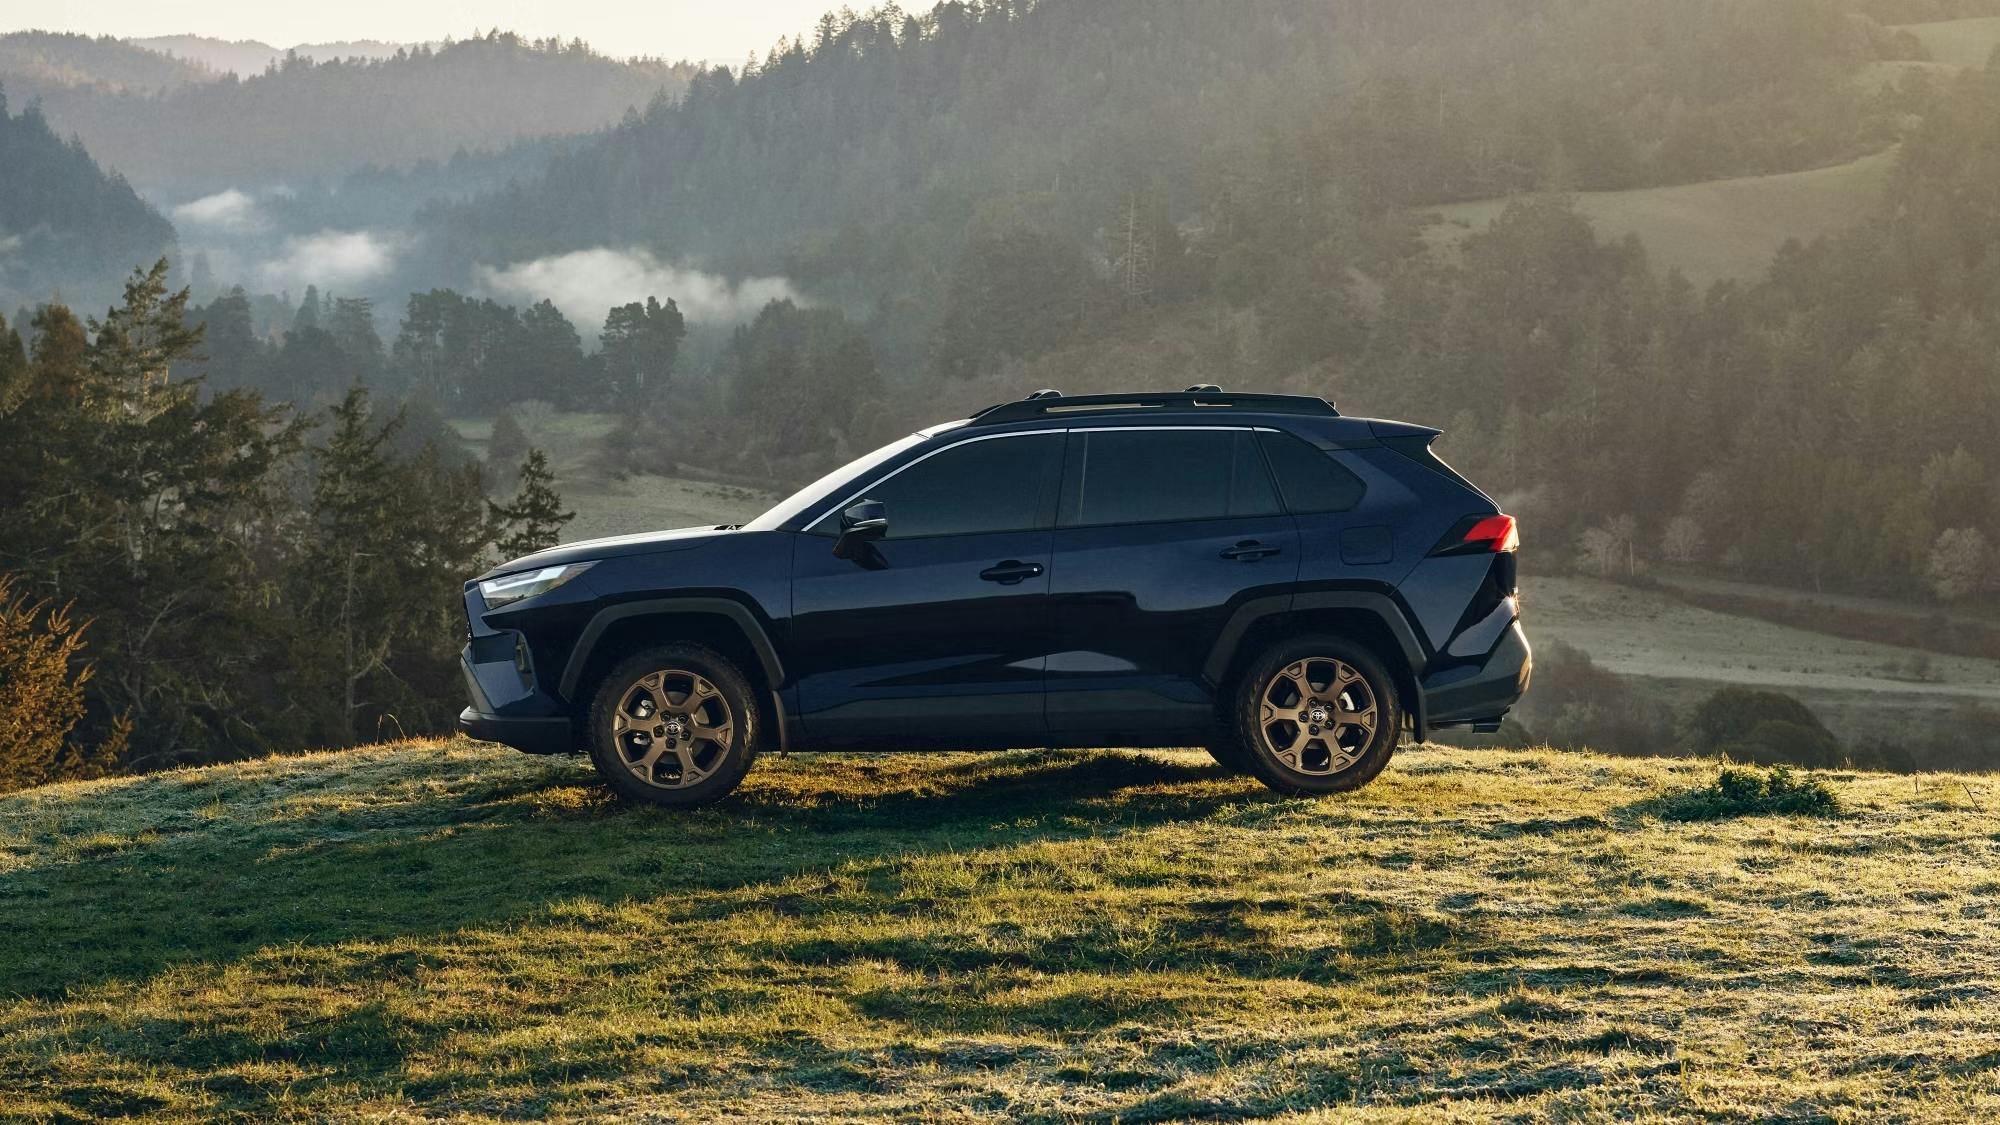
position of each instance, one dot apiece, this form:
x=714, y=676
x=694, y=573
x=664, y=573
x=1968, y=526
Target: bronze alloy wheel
x=1318, y=716
x=672, y=728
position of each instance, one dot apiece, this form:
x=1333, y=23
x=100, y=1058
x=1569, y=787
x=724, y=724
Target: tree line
x=215, y=575
x=458, y=354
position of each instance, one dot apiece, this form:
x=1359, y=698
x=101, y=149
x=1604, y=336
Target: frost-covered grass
x=447, y=929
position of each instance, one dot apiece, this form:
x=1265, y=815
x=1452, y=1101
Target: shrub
x=1766, y=727
x=41, y=695
x=1749, y=792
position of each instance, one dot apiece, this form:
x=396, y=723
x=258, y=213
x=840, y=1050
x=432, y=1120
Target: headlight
x=527, y=584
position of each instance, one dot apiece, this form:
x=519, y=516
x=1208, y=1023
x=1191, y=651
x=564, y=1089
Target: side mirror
x=862, y=523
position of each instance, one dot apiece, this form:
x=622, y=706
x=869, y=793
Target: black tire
x=1337, y=757
x=1228, y=752
x=627, y=717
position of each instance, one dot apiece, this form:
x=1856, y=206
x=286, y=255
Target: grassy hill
x=1715, y=230
x=456, y=930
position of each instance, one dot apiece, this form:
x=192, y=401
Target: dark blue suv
x=1293, y=589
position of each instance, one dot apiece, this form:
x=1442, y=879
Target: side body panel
x=1136, y=610
x=917, y=649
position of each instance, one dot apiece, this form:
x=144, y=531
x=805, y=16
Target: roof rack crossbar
x=1043, y=406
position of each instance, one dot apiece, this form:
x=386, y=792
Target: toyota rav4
x=1293, y=589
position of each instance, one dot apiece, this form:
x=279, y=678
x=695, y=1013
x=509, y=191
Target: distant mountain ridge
x=304, y=120
x=247, y=57
x=31, y=61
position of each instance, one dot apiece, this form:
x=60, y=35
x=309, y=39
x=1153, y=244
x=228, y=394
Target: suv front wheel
x=1317, y=714
x=675, y=725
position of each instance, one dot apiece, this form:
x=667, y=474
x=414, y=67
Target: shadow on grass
x=503, y=848
x=443, y=853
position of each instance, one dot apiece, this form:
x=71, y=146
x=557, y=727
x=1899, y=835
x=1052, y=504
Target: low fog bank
x=585, y=283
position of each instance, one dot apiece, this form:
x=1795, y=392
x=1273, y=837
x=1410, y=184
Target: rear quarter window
x=1310, y=480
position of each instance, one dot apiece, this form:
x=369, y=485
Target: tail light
x=1480, y=535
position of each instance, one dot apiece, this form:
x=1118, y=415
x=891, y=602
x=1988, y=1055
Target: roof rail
x=1042, y=405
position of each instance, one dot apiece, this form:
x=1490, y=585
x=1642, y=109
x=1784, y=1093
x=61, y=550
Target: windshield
x=798, y=502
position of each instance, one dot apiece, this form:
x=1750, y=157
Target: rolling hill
x=65, y=221
x=449, y=929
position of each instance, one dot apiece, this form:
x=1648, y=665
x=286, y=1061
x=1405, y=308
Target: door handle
x=1011, y=572
x=1249, y=551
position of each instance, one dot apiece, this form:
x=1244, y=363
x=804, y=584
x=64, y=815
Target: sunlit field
x=444, y=928
x=1714, y=231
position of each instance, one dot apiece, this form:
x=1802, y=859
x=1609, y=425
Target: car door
x=1163, y=532
x=936, y=634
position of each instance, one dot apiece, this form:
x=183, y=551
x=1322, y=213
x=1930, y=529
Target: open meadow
x=1711, y=231
x=1962, y=43
x=449, y=929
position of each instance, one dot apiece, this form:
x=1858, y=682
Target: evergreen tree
x=805, y=376
x=13, y=360
x=385, y=546
x=351, y=323
x=640, y=343
x=534, y=519
x=309, y=310
x=233, y=354
x=542, y=361
x=145, y=502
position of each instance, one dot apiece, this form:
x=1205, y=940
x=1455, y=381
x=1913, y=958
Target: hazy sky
x=718, y=30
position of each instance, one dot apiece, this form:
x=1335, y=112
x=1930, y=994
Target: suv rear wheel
x=675, y=725
x=1317, y=714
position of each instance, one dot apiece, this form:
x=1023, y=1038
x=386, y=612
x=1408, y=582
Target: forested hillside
x=304, y=120
x=1010, y=195
x=63, y=219
x=889, y=133
x=36, y=62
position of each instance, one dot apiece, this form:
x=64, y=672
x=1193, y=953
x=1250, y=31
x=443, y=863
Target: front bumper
x=1481, y=694
x=506, y=708
x=533, y=736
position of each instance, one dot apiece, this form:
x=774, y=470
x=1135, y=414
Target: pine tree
x=351, y=322
x=345, y=567
x=308, y=316
x=534, y=519
x=144, y=501
x=13, y=361
x=640, y=344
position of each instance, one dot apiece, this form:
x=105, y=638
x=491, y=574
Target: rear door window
x=1164, y=476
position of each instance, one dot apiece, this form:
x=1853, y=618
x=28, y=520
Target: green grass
x=1715, y=230
x=446, y=929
